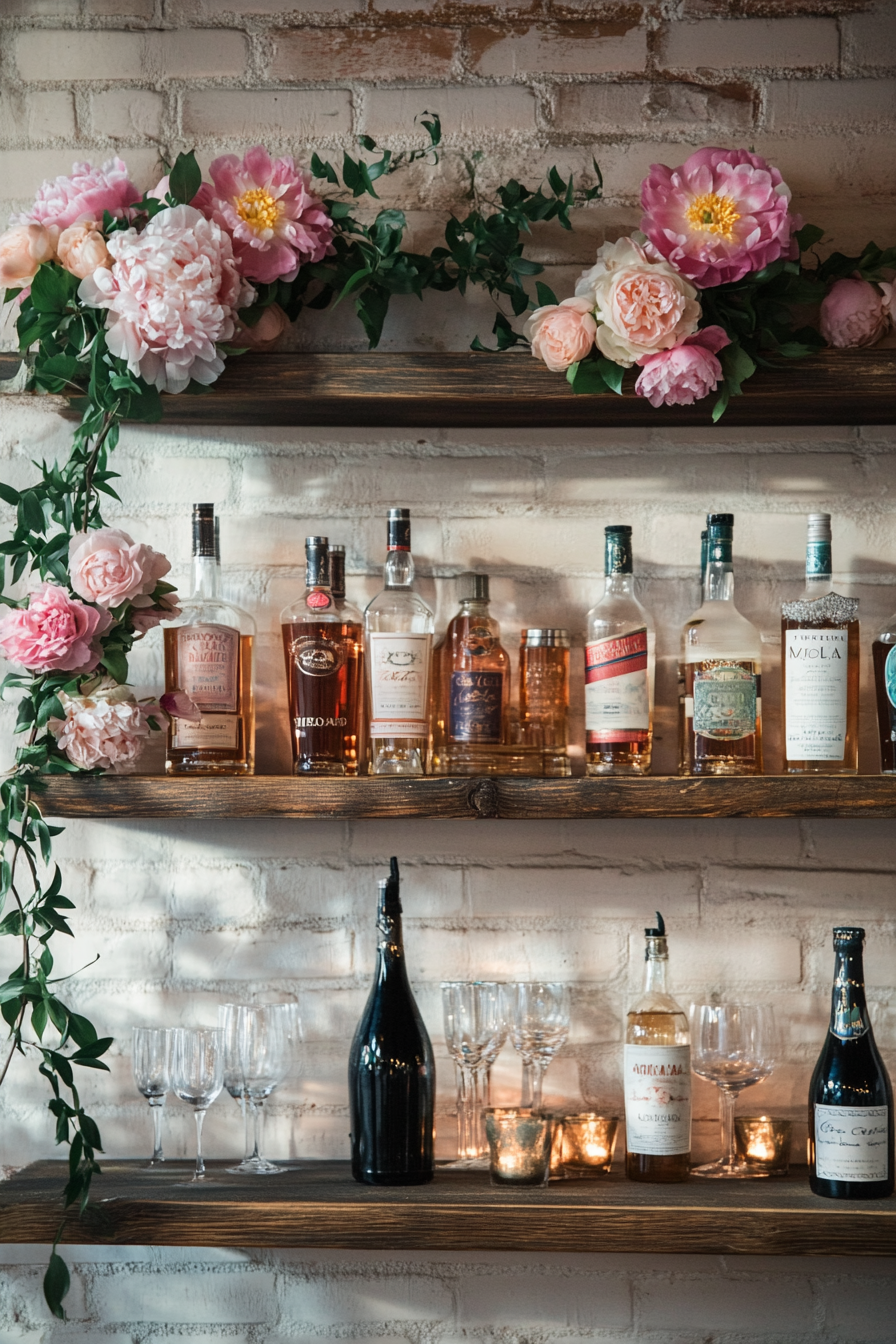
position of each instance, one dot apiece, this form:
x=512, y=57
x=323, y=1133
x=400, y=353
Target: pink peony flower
x=721, y=215
x=640, y=302
x=108, y=567
x=685, y=374
x=276, y=222
x=853, y=313
x=23, y=250
x=82, y=249
x=54, y=633
x=269, y=327
x=562, y=333
x=106, y=729
x=172, y=293
x=86, y=194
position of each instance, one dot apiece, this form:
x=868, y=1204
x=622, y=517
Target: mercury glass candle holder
x=519, y=1141
x=763, y=1143
x=583, y=1145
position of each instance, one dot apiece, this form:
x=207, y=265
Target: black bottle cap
x=848, y=936
x=204, y=529
x=337, y=572
x=716, y=521
x=390, y=900
x=659, y=931
x=472, y=587
x=317, y=562
x=398, y=530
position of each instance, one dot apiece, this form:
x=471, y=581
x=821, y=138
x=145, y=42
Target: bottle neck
x=849, y=1011
x=390, y=945
x=656, y=967
x=718, y=585
x=398, y=571
x=818, y=568
x=619, y=585
x=205, y=576
x=473, y=606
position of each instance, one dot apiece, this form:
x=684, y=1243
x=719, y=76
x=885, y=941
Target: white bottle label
x=657, y=1081
x=218, y=732
x=399, y=684
x=851, y=1143
x=815, y=672
x=207, y=662
x=617, y=692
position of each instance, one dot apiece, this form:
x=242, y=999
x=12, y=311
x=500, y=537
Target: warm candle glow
x=595, y=1151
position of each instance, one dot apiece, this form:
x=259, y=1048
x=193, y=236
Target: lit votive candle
x=519, y=1142
x=584, y=1144
x=764, y=1143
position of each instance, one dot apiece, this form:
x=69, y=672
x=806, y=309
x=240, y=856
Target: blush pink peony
x=82, y=249
x=853, y=313
x=276, y=222
x=24, y=249
x=562, y=333
x=721, y=215
x=172, y=293
x=108, y=567
x=104, y=730
x=54, y=633
x=640, y=302
x=85, y=195
x=685, y=374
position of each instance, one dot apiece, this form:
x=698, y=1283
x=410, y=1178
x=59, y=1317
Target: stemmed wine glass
x=257, y=1038
x=474, y=1034
x=234, y=1078
x=197, y=1076
x=152, y=1057
x=537, y=1016
x=733, y=1045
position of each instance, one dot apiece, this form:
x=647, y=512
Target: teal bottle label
x=818, y=560
x=890, y=676
x=725, y=703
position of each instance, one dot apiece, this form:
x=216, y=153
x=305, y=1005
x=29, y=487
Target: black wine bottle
x=391, y=1072
x=850, y=1097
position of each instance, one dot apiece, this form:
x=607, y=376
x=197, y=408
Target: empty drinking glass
x=259, y=1039
x=234, y=1078
x=537, y=1016
x=197, y=1075
x=474, y=1034
x=152, y=1058
x=733, y=1045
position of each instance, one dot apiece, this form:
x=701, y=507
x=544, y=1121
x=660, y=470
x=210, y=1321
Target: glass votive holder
x=764, y=1143
x=583, y=1145
x=519, y=1142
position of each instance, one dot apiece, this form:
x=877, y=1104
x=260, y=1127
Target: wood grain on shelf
x=318, y=1204
x=490, y=798
x=856, y=387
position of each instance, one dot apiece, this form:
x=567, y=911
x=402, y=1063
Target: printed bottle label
x=399, y=684
x=890, y=676
x=657, y=1080
x=851, y=1143
x=207, y=664
x=617, y=692
x=725, y=702
x=216, y=732
x=475, y=708
x=815, y=672
x=317, y=657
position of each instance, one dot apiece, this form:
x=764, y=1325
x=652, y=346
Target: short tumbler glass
x=519, y=1141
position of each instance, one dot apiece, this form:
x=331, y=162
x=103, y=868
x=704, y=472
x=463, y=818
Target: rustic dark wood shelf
x=852, y=387
x=319, y=1205
x=510, y=798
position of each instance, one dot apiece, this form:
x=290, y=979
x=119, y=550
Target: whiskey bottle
x=398, y=629
x=657, y=1074
x=355, y=753
x=883, y=652
x=720, y=674
x=473, y=678
x=209, y=654
x=820, y=655
x=620, y=658
x=323, y=648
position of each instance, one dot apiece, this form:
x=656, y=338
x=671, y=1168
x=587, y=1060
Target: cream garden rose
x=561, y=333
x=82, y=249
x=23, y=250
x=108, y=567
x=640, y=302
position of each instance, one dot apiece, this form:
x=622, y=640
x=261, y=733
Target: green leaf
x=545, y=294
x=52, y=288
x=82, y=1031
x=611, y=373
x=39, y=1018
x=185, y=178
x=56, y=1285
x=587, y=378
x=116, y=664
x=321, y=168
x=8, y=495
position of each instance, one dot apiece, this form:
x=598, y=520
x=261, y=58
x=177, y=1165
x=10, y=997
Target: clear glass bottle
x=657, y=1074
x=210, y=655
x=820, y=665
x=720, y=673
x=883, y=653
x=322, y=650
x=620, y=661
x=473, y=679
x=544, y=696
x=398, y=630
x=356, y=729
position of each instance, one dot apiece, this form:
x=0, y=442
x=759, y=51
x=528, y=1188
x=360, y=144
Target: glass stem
x=538, y=1072
x=247, y=1138
x=258, y=1113
x=463, y=1111
x=199, y=1173
x=157, y=1107
x=485, y=1100
x=526, y=1097
x=727, y=1103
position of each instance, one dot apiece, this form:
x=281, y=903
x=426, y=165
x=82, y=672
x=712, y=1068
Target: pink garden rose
x=108, y=567
x=54, y=633
x=82, y=249
x=106, y=729
x=640, y=302
x=685, y=374
x=172, y=293
x=721, y=215
x=562, y=333
x=22, y=250
x=276, y=222
x=85, y=195
x=853, y=313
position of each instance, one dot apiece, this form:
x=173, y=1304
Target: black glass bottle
x=850, y=1097
x=391, y=1072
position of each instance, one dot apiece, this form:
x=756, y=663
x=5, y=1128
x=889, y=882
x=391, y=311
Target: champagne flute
x=263, y=1034
x=197, y=1076
x=152, y=1058
x=475, y=1031
x=537, y=1014
x=234, y=1077
x=733, y=1045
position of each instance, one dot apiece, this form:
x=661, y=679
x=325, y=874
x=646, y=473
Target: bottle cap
x=472, y=587
x=337, y=571
x=845, y=936
x=398, y=530
x=819, y=527
x=390, y=901
x=317, y=562
x=659, y=931
x=617, y=549
x=540, y=637
x=203, y=529
x=719, y=523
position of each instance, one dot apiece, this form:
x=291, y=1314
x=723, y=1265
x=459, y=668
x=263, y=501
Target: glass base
x=255, y=1166
x=466, y=1164
x=729, y=1171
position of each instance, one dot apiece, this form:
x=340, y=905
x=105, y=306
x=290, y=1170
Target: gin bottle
x=398, y=630
x=820, y=656
x=620, y=657
x=720, y=674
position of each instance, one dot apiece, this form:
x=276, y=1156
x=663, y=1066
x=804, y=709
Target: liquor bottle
x=820, y=654
x=850, y=1097
x=544, y=696
x=883, y=652
x=398, y=629
x=355, y=753
x=720, y=674
x=473, y=676
x=209, y=654
x=322, y=649
x=391, y=1071
x=620, y=661
x=657, y=1075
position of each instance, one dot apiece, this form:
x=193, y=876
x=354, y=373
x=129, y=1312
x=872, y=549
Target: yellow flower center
x=710, y=213
x=258, y=208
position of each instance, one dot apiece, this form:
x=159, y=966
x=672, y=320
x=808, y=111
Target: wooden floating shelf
x=492, y=797
x=835, y=387
x=319, y=1205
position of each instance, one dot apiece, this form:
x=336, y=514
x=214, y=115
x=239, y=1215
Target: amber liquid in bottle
x=323, y=679
x=236, y=754
x=473, y=679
